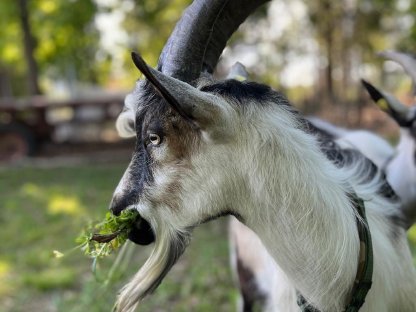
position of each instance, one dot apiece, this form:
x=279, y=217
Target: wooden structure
x=27, y=123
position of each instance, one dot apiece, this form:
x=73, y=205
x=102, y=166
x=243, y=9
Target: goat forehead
x=152, y=110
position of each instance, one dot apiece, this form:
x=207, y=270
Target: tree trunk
x=29, y=47
x=5, y=86
x=329, y=47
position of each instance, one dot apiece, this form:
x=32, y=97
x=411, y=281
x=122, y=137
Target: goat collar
x=363, y=279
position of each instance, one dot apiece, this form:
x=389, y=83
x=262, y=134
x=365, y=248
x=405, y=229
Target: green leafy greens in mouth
x=102, y=239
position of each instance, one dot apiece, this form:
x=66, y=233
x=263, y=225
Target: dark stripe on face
x=140, y=172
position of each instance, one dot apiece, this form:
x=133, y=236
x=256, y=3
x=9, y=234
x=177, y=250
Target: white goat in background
x=399, y=163
x=240, y=148
x=401, y=169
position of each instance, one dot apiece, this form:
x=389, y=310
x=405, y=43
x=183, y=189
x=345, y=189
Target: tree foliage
x=65, y=40
x=344, y=34
x=149, y=25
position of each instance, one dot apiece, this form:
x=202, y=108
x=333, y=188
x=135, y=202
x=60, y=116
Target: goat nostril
x=116, y=212
x=117, y=206
x=120, y=201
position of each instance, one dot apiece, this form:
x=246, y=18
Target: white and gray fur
x=371, y=145
x=245, y=151
x=262, y=288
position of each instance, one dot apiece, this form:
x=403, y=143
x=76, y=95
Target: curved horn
x=389, y=104
x=407, y=61
x=200, y=36
x=194, y=106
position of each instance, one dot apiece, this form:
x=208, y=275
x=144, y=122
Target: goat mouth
x=141, y=233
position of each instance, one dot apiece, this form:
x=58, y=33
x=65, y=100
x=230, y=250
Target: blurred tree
x=348, y=33
x=68, y=39
x=11, y=66
x=29, y=48
x=407, y=42
x=340, y=34
x=149, y=24
x=58, y=39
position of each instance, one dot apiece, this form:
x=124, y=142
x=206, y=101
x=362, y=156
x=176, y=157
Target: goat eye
x=154, y=139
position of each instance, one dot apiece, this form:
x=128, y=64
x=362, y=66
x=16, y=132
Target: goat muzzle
x=142, y=233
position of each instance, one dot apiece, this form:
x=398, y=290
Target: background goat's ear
x=125, y=123
x=238, y=72
x=389, y=104
x=407, y=61
x=193, y=105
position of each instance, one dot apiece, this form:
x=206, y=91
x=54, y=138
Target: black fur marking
x=322, y=135
x=139, y=172
x=224, y=214
x=243, y=91
x=344, y=157
x=253, y=298
x=412, y=128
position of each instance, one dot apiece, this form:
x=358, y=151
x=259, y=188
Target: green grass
x=45, y=209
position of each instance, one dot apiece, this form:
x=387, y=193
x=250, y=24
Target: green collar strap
x=363, y=279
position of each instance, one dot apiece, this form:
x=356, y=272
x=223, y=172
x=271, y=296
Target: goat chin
x=169, y=246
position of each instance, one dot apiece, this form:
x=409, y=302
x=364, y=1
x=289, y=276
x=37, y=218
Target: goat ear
x=238, y=72
x=125, y=124
x=407, y=61
x=389, y=104
x=193, y=105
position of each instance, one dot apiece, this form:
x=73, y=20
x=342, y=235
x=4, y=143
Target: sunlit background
x=64, y=71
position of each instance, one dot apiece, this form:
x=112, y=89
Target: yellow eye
x=154, y=139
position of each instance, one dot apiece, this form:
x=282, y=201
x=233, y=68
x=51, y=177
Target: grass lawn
x=44, y=210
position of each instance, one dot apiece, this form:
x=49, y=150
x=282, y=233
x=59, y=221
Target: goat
x=401, y=168
x=240, y=148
